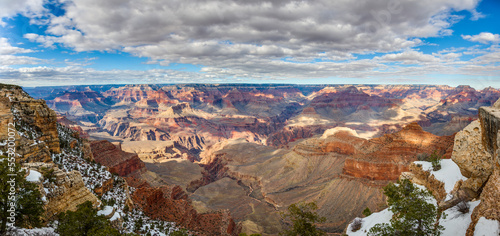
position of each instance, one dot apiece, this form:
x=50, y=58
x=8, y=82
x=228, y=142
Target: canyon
x=224, y=159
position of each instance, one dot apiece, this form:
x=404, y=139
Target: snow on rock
x=456, y=223
x=34, y=176
x=95, y=175
x=486, y=227
x=32, y=232
x=106, y=211
x=115, y=216
x=449, y=174
x=370, y=221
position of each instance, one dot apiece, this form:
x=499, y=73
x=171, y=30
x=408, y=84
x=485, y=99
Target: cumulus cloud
x=30, y=8
x=214, y=33
x=259, y=39
x=484, y=37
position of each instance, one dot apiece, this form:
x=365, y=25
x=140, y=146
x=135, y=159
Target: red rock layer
x=293, y=133
x=351, y=98
x=118, y=161
x=169, y=204
x=386, y=157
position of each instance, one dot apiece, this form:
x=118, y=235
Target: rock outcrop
x=118, y=161
x=64, y=192
x=476, y=154
x=171, y=204
x=470, y=155
x=489, y=207
x=34, y=120
x=385, y=158
x=423, y=177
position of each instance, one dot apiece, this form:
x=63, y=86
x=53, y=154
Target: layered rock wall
x=118, y=161
x=168, y=204
x=34, y=121
x=66, y=192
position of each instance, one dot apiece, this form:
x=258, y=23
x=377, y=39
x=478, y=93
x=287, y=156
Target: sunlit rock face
x=344, y=173
x=269, y=114
x=34, y=119
x=489, y=208
x=471, y=156
x=65, y=193
x=118, y=161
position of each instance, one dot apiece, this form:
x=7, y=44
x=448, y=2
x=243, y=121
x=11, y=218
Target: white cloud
x=10, y=8
x=409, y=57
x=7, y=49
x=8, y=57
x=484, y=37
x=18, y=60
x=257, y=40
x=214, y=33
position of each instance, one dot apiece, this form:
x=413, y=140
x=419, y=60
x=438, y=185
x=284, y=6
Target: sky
x=75, y=42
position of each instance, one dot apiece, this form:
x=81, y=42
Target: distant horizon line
x=250, y=84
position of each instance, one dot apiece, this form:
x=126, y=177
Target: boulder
x=470, y=155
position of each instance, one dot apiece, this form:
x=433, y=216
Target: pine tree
x=84, y=221
x=303, y=218
x=26, y=200
x=413, y=215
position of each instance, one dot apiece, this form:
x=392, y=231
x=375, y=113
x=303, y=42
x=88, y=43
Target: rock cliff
x=163, y=201
x=474, y=160
x=34, y=121
x=118, y=161
x=476, y=155
x=170, y=204
x=490, y=194
x=65, y=191
x=386, y=157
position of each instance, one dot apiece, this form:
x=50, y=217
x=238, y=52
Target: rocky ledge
x=65, y=191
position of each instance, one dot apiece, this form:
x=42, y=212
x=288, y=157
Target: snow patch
x=456, y=223
x=32, y=232
x=370, y=221
x=106, y=211
x=449, y=174
x=34, y=176
x=115, y=216
x=486, y=227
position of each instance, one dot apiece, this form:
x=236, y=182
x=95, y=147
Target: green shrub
x=303, y=218
x=367, y=212
x=413, y=215
x=84, y=221
x=435, y=160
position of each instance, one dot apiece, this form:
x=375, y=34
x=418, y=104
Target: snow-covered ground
x=485, y=227
x=455, y=223
x=449, y=174
x=370, y=221
x=114, y=200
x=45, y=231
